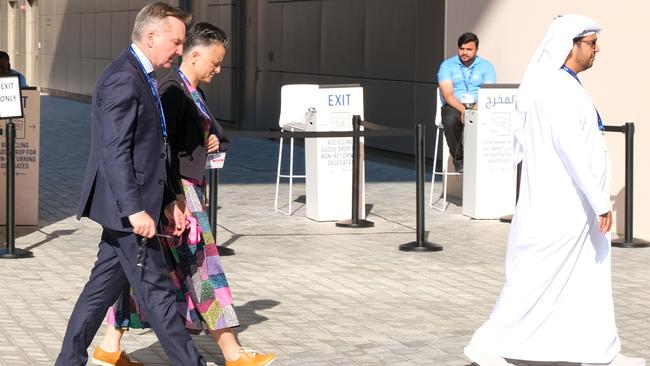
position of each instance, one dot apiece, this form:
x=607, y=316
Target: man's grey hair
x=151, y=15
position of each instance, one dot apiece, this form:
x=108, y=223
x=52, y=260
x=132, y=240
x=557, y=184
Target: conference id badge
x=215, y=160
x=467, y=98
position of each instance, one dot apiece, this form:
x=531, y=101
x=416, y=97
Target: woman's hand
x=212, y=144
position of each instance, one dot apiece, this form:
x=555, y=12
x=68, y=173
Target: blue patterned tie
x=154, y=79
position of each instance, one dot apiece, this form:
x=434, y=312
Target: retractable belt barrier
x=628, y=240
x=370, y=130
x=10, y=251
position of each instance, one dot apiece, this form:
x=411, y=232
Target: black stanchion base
x=17, y=253
x=225, y=251
x=417, y=246
x=359, y=223
x=506, y=218
x=635, y=243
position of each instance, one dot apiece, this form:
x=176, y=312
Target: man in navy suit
x=125, y=189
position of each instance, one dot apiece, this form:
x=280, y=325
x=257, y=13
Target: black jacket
x=184, y=128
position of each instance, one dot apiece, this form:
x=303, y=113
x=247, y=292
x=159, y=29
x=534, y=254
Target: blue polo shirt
x=22, y=82
x=466, y=79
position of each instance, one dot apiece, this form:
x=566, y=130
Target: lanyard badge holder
x=467, y=98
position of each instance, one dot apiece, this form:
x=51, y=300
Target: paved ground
x=313, y=293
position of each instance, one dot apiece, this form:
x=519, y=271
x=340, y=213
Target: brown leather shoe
x=249, y=357
x=117, y=358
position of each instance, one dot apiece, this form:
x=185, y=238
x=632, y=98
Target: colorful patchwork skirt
x=203, y=296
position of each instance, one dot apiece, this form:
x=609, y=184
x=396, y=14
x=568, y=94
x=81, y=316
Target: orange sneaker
x=248, y=357
x=117, y=358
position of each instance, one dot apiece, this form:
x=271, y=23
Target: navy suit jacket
x=126, y=171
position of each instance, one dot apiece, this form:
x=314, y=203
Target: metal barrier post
x=11, y=252
x=356, y=177
x=628, y=240
x=420, y=244
x=213, y=184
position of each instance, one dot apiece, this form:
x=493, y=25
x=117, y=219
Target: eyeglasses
x=591, y=43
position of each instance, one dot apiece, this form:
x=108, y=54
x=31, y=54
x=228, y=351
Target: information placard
x=328, y=161
x=489, y=177
x=10, y=97
x=27, y=152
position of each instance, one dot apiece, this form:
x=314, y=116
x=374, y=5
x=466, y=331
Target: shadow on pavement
x=247, y=315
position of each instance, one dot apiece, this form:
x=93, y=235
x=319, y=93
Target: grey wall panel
x=121, y=34
x=74, y=74
x=100, y=65
x=102, y=5
x=301, y=37
x=429, y=39
x=218, y=95
x=119, y=5
x=390, y=34
x=268, y=96
x=392, y=104
x=291, y=78
x=425, y=96
x=103, y=35
x=46, y=7
x=137, y=4
x=71, y=34
x=271, y=37
x=59, y=39
x=221, y=16
x=46, y=70
x=392, y=48
x=74, y=6
x=220, y=2
x=88, y=35
x=342, y=48
x=88, y=76
x=87, y=6
x=59, y=76
x=47, y=40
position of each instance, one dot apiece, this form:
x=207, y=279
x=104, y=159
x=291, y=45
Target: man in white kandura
x=556, y=304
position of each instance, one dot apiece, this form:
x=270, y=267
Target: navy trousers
x=115, y=268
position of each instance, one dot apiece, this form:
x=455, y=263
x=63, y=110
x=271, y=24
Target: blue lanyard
x=466, y=78
x=575, y=76
x=196, y=96
x=154, y=91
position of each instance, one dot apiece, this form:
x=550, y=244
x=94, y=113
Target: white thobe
x=556, y=304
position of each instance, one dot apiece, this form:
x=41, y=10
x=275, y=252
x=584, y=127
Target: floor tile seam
x=12, y=340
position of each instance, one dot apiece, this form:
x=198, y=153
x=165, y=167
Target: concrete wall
x=392, y=48
x=79, y=38
x=509, y=32
x=222, y=93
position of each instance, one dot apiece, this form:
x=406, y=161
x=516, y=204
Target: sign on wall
x=27, y=160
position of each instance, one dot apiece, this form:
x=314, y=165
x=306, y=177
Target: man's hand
x=605, y=222
x=176, y=212
x=143, y=224
x=212, y=144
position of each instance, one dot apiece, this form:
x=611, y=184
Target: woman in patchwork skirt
x=203, y=301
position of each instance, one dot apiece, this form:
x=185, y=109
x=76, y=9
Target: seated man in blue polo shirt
x=459, y=78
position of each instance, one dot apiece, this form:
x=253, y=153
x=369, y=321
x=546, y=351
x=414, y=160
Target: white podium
x=328, y=161
x=489, y=176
